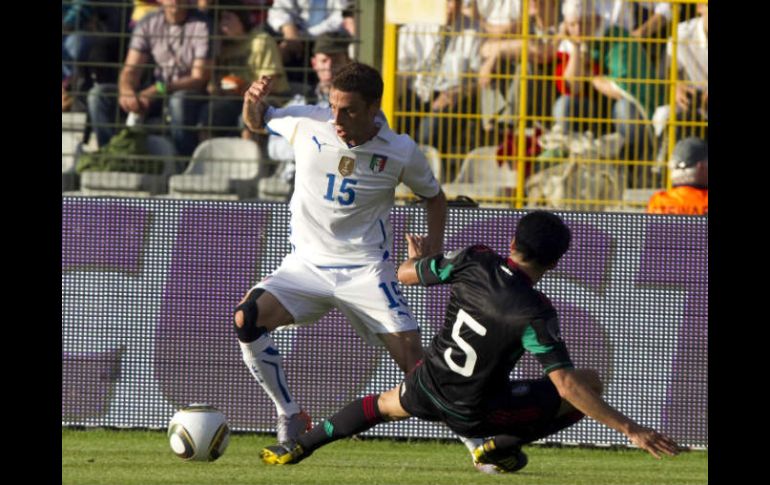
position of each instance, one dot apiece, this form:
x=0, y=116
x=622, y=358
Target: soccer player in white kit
x=348, y=164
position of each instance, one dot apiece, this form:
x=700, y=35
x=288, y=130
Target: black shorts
x=518, y=408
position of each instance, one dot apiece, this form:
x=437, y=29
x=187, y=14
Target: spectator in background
x=643, y=20
x=257, y=11
x=176, y=40
x=613, y=65
x=502, y=56
x=692, y=65
x=86, y=51
x=241, y=57
x=689, y=193
x=495, y=17
x=441, y=55
x=640, y=19
x=300, y=21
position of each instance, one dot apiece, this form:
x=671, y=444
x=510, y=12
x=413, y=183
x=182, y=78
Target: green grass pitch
x=117, y=457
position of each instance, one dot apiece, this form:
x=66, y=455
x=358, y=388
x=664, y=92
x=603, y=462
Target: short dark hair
x=356, y=77
x=542, y=237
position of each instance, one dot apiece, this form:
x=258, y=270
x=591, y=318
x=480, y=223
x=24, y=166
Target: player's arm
x=253, y=105
x=573, y=388
x=436, y=211
x=407, y=272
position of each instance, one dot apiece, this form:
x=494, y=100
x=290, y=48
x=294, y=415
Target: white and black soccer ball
x=198, y=432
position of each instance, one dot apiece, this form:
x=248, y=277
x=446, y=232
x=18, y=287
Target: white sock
x=471, y=443
x=266, y=365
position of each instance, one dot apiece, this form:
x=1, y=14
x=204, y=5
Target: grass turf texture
x=118, y=457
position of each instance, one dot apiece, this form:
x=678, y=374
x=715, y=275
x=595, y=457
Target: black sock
x=503, y=443
x=356, y=417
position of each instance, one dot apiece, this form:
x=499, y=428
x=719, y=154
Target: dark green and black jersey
x=494, y=315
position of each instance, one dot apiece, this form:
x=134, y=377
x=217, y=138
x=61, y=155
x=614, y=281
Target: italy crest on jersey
x=347, y=165
x=378, y=163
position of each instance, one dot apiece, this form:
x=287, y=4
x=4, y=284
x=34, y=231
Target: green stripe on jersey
x=443, y=274
x=329, y=428
x=529, y=339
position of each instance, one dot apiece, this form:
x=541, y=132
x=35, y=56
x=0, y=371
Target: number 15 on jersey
x=345, y=195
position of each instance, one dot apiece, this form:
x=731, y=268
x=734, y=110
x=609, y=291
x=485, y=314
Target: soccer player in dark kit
x=494, y=315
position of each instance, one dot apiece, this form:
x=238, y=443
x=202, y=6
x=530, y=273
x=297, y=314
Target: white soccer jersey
x=342, y=197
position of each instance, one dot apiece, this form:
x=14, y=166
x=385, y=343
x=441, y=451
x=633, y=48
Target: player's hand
x=253, y=107
x=416, y=246
x=653, y=442
x=258, y=90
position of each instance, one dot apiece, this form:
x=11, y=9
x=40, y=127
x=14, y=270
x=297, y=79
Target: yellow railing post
x=673, y=75
x=521, y=152
x=389, y=58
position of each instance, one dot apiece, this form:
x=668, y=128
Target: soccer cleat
x=290, y=427
x=283, y=454
x=504, y=461
x=486, y=468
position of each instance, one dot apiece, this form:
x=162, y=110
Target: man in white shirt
x=300, y=21
x=347, y=168
x=438, y=60
x=692, y=63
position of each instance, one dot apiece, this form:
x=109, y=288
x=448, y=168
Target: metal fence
x=565, y=107
x=188, y=140
x=512, y=110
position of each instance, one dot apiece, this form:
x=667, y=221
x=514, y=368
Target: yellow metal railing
x=602, y=170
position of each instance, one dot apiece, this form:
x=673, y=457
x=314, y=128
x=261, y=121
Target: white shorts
x=368, y=296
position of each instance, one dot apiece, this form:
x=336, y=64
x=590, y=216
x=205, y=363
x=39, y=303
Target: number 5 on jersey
x=470, y=354
x=347, y=194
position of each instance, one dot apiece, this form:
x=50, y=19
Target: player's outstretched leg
x=266, y=365
x=358, y=416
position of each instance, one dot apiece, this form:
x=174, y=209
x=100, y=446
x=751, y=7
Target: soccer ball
x=198, y=432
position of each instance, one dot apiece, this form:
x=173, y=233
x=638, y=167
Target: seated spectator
x=495, y=17
x=502, y=56
x=298, y=22
x=242, y=57
x=86, y=51
x=176, y=40
x=441, y=56
x=689, y=193
x=616, y=68
x=692, y=65
x=643, y=20
x=640, y=19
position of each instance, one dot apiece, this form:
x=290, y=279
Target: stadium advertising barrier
x=149, y=288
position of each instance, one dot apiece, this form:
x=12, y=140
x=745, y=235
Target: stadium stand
x=671, y=38
x=223, y=168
